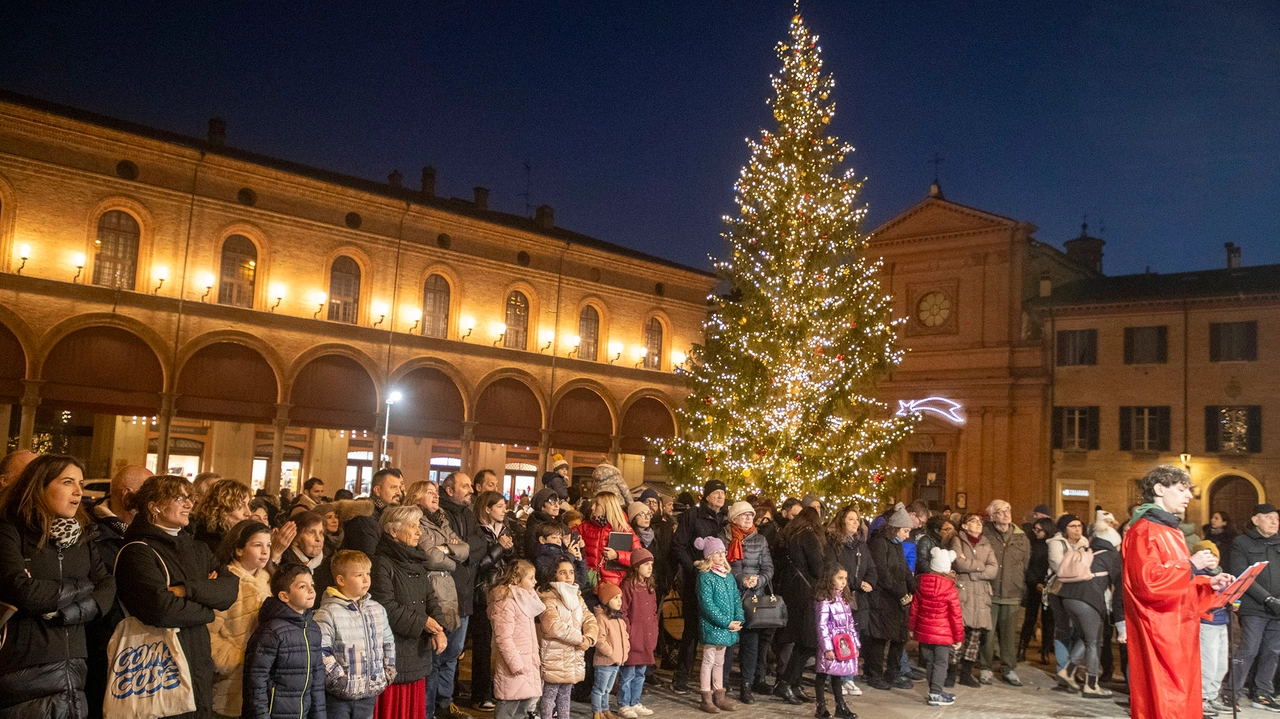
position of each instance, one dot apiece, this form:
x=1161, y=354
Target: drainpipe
x=167, y=398
x=544, y=449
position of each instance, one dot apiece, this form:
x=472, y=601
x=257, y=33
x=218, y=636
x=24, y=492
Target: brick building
x=185, y=303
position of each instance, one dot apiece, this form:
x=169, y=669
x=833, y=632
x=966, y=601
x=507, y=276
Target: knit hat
x=325, y=508
x=900, y=518
x=1042, y=509
x=708, y=545
x=1066, y=519
x=1263, y=509
x=809, y=500
x=542, y=496
x=650, y=493
x=558, y=461
x=940, y=560
x=1200, y=547
x=607, y=591
x=640, y=556
x=740, y=508
x=712, y=485
x=636, y=508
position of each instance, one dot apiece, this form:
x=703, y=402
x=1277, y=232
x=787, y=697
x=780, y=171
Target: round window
x=126, y=170
x=934, y=309
x=354, y=220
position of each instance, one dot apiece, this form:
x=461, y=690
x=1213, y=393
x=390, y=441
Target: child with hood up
x=937, y=622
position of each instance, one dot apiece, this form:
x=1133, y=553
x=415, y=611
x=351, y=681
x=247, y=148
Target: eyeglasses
x=184, y=499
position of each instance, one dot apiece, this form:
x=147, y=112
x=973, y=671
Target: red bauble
x=877, y=477
x=819, y=350
x=708, y=400
x=840, y=357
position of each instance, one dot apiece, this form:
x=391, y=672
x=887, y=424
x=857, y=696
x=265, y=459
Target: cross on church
x=936, y=162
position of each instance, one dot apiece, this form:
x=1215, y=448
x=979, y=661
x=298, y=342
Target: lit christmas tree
x=781, y=393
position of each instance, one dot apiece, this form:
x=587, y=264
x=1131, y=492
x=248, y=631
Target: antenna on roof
x=935, y=190
x=528, y=208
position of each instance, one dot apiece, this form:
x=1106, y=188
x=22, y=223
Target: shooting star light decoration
x=941, y=406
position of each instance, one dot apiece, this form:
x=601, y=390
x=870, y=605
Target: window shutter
x=1126, y=417
x=1251, y=343
x=1215, y=342
x=1061, y=348
x=1128, y=349
x=1212, y=429
x=1093, y=417
x=1162, y=344
x=1164, y=416
x=1255, y=427
x=1059, y=413
x=1091, y=344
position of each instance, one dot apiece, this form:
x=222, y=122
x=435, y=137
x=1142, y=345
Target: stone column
x=272, y=482
x=615, y=449
x=544, y=451
x=468, y=447
x=30, y=401
x=163, y=420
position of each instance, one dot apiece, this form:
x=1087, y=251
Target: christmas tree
x=781, y=393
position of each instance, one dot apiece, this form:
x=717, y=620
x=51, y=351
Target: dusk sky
x=1160, y=120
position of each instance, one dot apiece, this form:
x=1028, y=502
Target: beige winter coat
x=975, y=567
x=229, y=633
x=615, y=643
x=560, y=628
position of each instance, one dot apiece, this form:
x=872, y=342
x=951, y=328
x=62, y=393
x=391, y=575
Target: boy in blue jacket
x=283, y=667
x=1213, y=643
x=359, y=648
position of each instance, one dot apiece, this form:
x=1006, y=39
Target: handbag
x=149, y=676
x=765, y=611
x=844, y=646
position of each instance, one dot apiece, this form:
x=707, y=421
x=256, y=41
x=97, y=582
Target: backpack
x=1077, y=566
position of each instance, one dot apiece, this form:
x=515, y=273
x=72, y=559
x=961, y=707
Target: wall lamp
x=206, y=281
x=78, y=260
x=576, y=343
x=638, y=353
x=547, y=336
x=24, y=252
x=277, y=294
x=320, y=298
x=379, y=309
x=498, y=329
x=162, y=274
x=416, y=315
x=468, y=324
x=615, y=349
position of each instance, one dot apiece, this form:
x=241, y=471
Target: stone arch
x=26, y=338
x=70, y=325
x=144, y=273
x=253, y=342
x=227, y=379
x=103, y=367
x=8, y=221
x=433, y=400
x=13, y=365
x=1231, y=480
x=645, y=414
x=509, y=410
x=334, y=387
x=582, y=418
x=262, y=273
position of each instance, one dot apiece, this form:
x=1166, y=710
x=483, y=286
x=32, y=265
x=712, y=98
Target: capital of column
x=31, y=392
x=468, y=431
x=282, y=415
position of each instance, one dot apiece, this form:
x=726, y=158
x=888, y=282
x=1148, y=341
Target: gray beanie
x=901, y=518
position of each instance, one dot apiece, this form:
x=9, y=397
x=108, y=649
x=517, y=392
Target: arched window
x=517, y=337
x=344, y=291
x=435, y=307
x=115, y=263
x=589, y=333
x=653, y=343
x=239, y=268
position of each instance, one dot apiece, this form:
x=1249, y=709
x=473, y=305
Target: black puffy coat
x=664, y=572
x=696, y=522
x=1251, y=548
x=399, y=583
x=495, y=558
x=363, y=532
x=283, y=668
x=463, y=521
x=854, y=555
x=146, y=596
x=799, y=570
x=888, y=620
x=42, y=662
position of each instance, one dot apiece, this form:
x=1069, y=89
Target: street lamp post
x=392, y=398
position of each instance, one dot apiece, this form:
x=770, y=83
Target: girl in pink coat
x=837, y=640
x=514, y=607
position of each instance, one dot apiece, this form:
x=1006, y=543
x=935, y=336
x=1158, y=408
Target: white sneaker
x=642, y=710
x=627, y=713
x=851, y=689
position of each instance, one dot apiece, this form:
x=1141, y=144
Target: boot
x=1091, y=689
x=966, y=675
x=1067, y=678
x=953, y=673
x=745, y=695
x=1022, y=652
x=783, y=692
x=798, y=690
x=842, y=709
x=722, y=700
x=820, y=686
x=707, y=705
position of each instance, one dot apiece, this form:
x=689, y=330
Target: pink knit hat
x=708, y=545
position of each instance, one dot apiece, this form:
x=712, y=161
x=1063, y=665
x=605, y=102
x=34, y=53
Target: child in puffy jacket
x=936, y=621
x=837, y=640
x=566, y=630
x=245, y=550
x=357, y=645
x=640, y=610
x=283, y=667
x=514, y=608
x=720, y=612
x=612, y=648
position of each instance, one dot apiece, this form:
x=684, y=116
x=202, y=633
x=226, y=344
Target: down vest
x=975, y=567
x=229, y=634
x=283, y=669
x=935, y=612
x=560, y=628
x=517, y=666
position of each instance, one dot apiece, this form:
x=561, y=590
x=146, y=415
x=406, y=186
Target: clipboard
x=620, y=541
x=1233, y=591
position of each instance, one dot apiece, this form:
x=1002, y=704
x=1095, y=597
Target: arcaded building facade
x=182, y=303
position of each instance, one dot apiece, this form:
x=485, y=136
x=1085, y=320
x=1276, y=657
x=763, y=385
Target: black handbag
x=766, y=611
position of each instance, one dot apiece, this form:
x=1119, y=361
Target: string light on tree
x=781, y=392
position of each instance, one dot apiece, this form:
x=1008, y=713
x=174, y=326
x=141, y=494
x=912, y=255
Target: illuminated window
x=344, y=291
x=115, y=264
x=589, y=333
x=653, y=344
x=517, y=336
x=239, y=268
x=435, y=307
x=1233, y=430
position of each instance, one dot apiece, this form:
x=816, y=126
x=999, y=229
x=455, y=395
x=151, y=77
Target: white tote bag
x=149, y=676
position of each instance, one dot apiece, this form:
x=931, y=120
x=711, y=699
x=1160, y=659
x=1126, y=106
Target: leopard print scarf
x=64, y=532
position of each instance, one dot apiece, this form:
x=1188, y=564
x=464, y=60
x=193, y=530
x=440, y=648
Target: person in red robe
x=1163, y=602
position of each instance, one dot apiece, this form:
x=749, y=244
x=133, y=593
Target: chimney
x=545, y=217
x=429, y=181
x=1233, y=256
x=217, y=131
x=482, y=197
x=1086, y=250
x=395, y=179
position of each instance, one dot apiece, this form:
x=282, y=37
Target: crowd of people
x=194, y=598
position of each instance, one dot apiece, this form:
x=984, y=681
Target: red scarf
x=734, y=552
